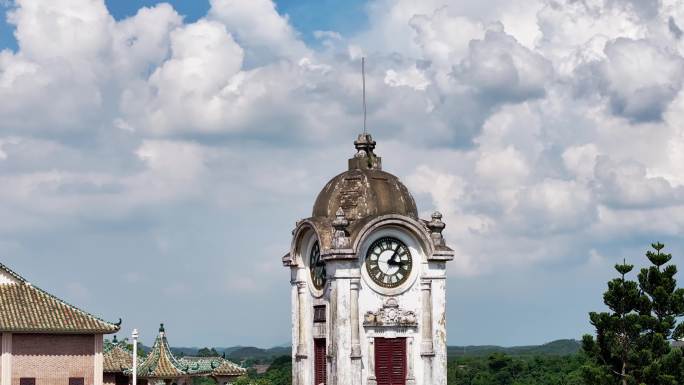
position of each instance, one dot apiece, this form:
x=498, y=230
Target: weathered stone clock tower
x=368, y=283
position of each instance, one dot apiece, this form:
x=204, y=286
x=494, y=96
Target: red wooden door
x=390, y=361
x=319, y=361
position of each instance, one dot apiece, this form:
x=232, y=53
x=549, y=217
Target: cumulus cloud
x=257, y=25
x=499, y=68
x=548, y=132
x=634, y=95
x=195, y=85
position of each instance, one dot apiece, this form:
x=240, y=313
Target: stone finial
x=436, y=227
x=161, y=328
x=365, y=158
x=340, y=237
x=364, y=145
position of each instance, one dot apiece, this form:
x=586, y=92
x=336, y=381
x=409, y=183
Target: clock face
x=388, y=262
x=316, y=267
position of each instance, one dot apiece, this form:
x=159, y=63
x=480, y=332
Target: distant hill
x=257, y=353
x=554, y=348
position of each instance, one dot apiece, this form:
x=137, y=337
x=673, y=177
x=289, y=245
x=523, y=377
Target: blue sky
x=306, y=16
x=154, y=161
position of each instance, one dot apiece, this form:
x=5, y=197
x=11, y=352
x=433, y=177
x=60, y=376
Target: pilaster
x=6, y=350
x=301, y=368
x=98, y=364
x=355, y=285
x=371, y=362
x=427, y=346
x=410, y=375
x=301, y=308
x=332, y=340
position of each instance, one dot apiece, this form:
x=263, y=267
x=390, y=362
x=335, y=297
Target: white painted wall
x=427, y=370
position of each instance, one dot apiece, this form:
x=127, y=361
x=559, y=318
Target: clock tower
x=368, y=283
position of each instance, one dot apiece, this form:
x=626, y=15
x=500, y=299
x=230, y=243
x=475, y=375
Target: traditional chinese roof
x=29, y=309
x=117, y=357
x=214, y=366
x=161, y=363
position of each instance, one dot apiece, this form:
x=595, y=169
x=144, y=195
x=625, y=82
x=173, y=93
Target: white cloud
x=581, y=160
x=639, y=97
x=530, y=125
x=194, y=86
x=411, y=77
x=506, y=167
x=627, y=184
x=499, y=67
x=70, y=30
x=258, y=26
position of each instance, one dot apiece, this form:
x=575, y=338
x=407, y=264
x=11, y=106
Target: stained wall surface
x=53, y=359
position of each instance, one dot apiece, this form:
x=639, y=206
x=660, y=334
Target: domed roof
x=365, y=190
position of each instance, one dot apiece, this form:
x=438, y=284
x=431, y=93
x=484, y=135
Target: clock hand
x=392, y=261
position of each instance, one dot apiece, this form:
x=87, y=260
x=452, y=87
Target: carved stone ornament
x=436, y=226
x=391, y=315
x=340, y=237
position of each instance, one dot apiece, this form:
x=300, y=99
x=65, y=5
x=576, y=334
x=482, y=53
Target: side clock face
x=389, y=262
x=316, y=267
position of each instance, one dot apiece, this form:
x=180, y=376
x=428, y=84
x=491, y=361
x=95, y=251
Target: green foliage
x=206, y=352
x=501, y=369
x=632, y=343
x=279, y=373
x=558, y=347
x=203, y=381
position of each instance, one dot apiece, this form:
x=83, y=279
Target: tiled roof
x=161, y=363
x=27, y=308
x=215, y=366
x=117, y=357
x=228, y=368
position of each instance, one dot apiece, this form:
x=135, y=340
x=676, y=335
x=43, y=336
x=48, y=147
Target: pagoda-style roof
x=214, y=366
x=25, y=308
x=117, y=357
x=161, y=363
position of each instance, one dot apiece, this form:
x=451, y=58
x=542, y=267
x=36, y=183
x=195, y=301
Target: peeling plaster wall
x=429, y=369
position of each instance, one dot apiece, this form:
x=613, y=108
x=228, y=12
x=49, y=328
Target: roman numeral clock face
x=388, y=262
x=317, y=267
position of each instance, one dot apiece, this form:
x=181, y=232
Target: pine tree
x=661, y=363
x=614, y=349
x=632, y=344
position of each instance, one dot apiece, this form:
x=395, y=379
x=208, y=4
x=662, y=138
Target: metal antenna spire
x=363, y=77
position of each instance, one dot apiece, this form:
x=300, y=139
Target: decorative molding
x=391, y=315
x=436, y=226
x=340, y=236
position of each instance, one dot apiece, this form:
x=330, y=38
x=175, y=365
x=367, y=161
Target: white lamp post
x=135, y=356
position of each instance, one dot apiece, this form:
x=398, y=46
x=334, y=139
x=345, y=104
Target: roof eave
x=59, y=331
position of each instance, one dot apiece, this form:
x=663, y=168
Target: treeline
x=502, y=369
x=632, y=344
x=279, y=373
x=496, y=369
